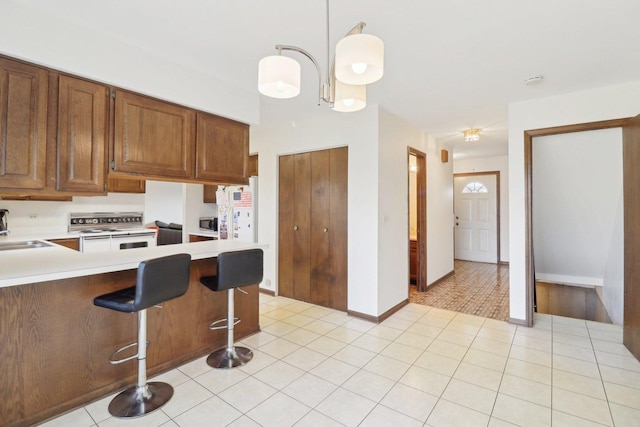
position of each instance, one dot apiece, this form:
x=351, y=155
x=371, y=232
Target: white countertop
x=205, y=233
x=22, y=266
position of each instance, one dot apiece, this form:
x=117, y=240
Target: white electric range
x=111, y=231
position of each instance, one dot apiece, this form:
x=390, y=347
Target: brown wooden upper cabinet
x=23, y=121
x=83, y=109
x=153, y=137
x=222, y=150
x=121, y=185
x=253, y=165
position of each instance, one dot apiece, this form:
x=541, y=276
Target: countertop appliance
x=4, y=223
x=209, y=223
x=111, y=231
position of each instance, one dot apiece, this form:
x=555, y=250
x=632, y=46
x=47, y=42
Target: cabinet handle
x=295, y=227
x=325, y=229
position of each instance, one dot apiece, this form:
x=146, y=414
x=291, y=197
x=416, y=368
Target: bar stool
x=235, y=269
x=158, y=280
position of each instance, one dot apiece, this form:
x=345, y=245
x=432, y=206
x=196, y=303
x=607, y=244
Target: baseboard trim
x=267, y=291
x=504, y=263
x=521, y=322
x=382, y=317
x=442, y=279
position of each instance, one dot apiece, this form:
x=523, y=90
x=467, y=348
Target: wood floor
x=475, y=288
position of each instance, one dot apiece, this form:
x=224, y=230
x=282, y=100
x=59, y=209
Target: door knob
x=325, y=229
x=295, y=227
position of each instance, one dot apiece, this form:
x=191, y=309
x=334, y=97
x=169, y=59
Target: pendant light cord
x=328, y=80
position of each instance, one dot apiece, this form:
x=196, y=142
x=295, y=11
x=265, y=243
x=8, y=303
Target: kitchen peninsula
x=56, y=344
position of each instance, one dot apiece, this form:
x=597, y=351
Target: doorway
x=417, y=233
x=476, y=207
x=528, y=159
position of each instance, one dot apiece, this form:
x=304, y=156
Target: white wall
x=605, y=103
x=439, y=212
x=164, y=201
x=377, y=198
x=577, y=187
x=63, y=45
x=358, y=131
x=491, y=164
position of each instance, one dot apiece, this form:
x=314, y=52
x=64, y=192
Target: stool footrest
x=224, y=325
x=124, y=359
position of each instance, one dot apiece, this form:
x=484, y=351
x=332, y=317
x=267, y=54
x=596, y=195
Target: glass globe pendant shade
x=349, y=98
x=359, y=59
x=279, y=77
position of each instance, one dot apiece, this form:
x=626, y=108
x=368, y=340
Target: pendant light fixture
x=358, y=61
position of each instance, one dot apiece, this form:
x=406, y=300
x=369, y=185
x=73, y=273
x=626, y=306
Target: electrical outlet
x=267, y=283
x=33, y=216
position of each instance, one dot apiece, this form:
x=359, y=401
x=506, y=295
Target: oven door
x=95, y=243
x=121, y=242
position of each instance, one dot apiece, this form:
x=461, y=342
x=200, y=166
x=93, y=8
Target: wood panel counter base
x=56, y=344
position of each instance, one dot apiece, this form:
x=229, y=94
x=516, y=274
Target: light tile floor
x=423, y=366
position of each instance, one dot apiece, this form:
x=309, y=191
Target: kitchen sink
x=27, y=244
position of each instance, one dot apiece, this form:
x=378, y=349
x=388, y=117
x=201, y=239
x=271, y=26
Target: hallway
x=474, y=288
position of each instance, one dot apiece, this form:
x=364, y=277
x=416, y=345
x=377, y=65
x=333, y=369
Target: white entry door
x=476, y=231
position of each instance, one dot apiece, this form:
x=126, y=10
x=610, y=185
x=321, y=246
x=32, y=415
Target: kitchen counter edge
x=24, y=266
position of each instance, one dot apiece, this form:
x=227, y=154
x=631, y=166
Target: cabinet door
x=209, y=193
x=153, y=138
x=253, y=165
x=222, y=150
x=82, y=135
x=68, y=243
x=122, y=185
x=23, y=121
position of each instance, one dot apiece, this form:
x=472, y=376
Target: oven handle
x=133, y=235
x=95, y=237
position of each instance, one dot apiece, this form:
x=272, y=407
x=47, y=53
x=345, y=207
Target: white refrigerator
x=237, y=211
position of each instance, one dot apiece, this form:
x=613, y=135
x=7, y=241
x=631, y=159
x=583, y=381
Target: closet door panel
x=320, y=231
x=301, y=227
x=338, y=243
x=286, y=203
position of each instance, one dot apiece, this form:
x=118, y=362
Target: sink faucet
x=5, y=232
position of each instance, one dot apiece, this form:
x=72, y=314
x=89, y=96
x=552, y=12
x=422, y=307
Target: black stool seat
x=235, y=269
x=158, y=280
x=121, y=300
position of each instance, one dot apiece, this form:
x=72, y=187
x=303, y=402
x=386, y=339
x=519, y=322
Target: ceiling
x=449, y=64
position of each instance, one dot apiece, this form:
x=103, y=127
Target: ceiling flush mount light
x=471, y=135
x=358, y=61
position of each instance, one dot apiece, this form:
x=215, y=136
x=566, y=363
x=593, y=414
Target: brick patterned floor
x=474, y=288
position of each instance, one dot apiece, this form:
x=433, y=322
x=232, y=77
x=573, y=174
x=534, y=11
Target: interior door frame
x=497, y=175
x=421, y=202
x=528, y=195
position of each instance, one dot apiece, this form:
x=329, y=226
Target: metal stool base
x=229, y=358
x=138, y=401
